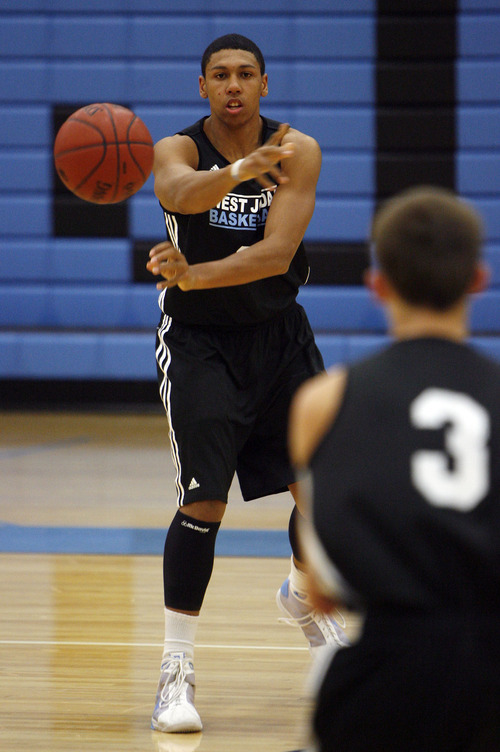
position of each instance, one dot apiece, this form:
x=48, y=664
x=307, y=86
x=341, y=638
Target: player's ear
x=264, y=90
x=480, y=279
x=376, y=282
x=203, y=87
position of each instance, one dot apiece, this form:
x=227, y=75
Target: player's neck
x=234, y=142
x=409, y=322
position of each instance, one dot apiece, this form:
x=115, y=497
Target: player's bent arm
x=289, y=215
x=314, y=407
x=178, y=186
x=181, y=188
x=312, y=411
x=324, y=585
x=323, y=601
x=293, y=205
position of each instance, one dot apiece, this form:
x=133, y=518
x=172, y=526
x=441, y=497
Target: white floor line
x=207, y=646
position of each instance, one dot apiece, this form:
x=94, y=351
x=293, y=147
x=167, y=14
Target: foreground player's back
x=414, y=454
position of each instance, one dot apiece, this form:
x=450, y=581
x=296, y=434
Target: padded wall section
x=478, y=111
x=320, y=58
x=69, y=270
x=390, y=95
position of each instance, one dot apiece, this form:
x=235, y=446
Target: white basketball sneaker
x=321, y=630
x=174, y=709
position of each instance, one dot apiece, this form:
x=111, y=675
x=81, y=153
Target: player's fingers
x=172, y=275
x=165, y=245
x=172, y=262
x=161, y=253
x=265, y=182
x=267, y=157
x=276, y=138
x=163, y=285
x=173, y=267
x=272, y=177
x=263, y=161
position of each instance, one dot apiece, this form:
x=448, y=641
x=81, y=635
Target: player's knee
x=205, y=511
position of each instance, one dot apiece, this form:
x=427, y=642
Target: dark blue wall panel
x=479, y=36
x=22, y=36
x=27, y=214
x=478, y=115
x=91, y=37
x=24, y=81
x=478, y=126
x=69, y=261
x=29, y=167
x=25, y=125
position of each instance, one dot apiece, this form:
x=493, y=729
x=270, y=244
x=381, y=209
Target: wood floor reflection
x=80, y=635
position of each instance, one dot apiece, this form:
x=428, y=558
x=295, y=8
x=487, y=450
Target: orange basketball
x=103, y=153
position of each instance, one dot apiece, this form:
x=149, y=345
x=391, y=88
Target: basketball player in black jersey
x=237, y=191
x=402, y=457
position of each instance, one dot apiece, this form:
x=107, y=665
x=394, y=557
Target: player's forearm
x=195, y=192
x=262, y=260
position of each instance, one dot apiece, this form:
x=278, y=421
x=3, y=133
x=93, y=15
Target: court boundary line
x=155, y=645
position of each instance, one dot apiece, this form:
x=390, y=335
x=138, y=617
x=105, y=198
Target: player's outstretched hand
x=262, y=164
x=166, y=261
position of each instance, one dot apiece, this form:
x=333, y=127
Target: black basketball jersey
x=237, y=221
x=406, y=482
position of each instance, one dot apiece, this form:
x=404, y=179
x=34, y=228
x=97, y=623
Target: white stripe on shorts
x=172, y=229
x=164, y=358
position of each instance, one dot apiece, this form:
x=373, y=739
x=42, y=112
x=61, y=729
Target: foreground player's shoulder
x=313, y=409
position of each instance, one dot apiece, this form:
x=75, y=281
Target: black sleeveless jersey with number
x=406, y=483
x=238, y=220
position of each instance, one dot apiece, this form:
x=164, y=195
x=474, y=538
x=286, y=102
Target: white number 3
x=458, y=477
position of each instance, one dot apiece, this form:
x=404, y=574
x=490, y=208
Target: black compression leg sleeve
x=293, y=535
x=188, y=561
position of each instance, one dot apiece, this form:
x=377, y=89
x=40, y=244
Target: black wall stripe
x=415, y=88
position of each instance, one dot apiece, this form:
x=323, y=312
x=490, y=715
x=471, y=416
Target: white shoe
x=321, y=630
x=174, y=709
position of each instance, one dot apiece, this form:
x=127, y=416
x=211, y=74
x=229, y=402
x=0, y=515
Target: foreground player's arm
x=313, y=408
x=289, y=215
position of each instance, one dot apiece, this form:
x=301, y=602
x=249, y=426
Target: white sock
x=298, y=580
x=180, y=631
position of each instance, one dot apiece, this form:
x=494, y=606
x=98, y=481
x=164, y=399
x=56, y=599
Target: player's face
x=233, y=84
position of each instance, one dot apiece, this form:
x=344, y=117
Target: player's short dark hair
x=428, y=242
x=232, y=42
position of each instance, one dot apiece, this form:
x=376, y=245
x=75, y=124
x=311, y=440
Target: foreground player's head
x=232, y=42
x=427, y=242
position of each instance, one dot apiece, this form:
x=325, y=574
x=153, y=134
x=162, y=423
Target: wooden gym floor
x=85, y=502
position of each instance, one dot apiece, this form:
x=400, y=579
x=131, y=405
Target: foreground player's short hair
x=232, y=42
x=428, y=242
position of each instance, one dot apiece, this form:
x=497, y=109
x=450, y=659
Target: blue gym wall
x=69, y=307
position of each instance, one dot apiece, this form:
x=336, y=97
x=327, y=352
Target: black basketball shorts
x=227, y=395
